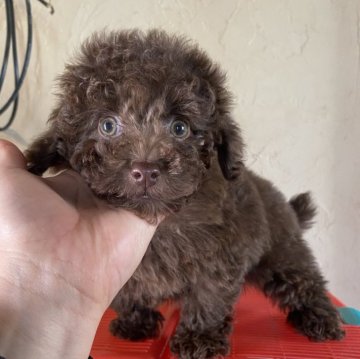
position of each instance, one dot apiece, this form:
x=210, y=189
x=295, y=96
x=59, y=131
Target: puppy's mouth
x=147, y=199
x=145, y=195
x=124, y=200
x=144, y=203
x=144, y=198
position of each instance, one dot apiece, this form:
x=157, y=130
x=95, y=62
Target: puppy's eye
x=110, y=127
x=180, y=129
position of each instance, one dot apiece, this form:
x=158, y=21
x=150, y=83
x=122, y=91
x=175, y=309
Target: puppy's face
x=142, y=117
x=149, y=152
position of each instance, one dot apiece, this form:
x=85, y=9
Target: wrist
x=32, y=325
x=57, y=336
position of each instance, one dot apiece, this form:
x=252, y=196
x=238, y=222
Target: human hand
x=62, y=251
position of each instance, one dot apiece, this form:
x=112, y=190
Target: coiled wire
x=19, y=76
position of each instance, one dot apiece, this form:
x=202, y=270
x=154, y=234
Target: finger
x=72, y=188
x=64, y=183
x=133, y=230
x=130, y=237
x=11, y=156
x=143, y=233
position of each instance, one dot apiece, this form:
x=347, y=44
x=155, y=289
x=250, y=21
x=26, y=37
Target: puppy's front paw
x=142, y=323
x=318, y=324
x=195, y=345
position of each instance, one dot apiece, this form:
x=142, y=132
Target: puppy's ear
x=45, y=152
x=229, y=147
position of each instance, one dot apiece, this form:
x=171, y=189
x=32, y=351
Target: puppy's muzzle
x=145, y=174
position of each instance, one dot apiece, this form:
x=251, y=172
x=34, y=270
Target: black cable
x=6, y=52
x=11, y=24
x=11, y=41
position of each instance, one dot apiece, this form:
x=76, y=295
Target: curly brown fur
x=224, y=224
x=137, y=324
x=304, y=209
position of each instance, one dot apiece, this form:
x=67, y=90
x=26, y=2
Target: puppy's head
x=142, y=117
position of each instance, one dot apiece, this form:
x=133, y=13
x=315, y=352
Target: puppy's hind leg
x=291, y=278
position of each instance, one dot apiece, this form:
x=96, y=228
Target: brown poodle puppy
x=145, y=119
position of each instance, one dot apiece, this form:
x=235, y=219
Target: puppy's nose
x=145, y=173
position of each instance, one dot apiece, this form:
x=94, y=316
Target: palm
x=79, y=241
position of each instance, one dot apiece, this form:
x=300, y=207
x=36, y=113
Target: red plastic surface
x=260, y=332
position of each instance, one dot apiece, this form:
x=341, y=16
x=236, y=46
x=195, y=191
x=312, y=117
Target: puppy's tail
x=304, y=208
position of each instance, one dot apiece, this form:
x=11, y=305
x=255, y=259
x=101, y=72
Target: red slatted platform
x=260, y=332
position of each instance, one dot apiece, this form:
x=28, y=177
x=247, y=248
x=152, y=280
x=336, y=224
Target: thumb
x=11, y=156
x=130, y=237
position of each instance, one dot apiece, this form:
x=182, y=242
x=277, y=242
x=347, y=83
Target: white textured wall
x=294, y=67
